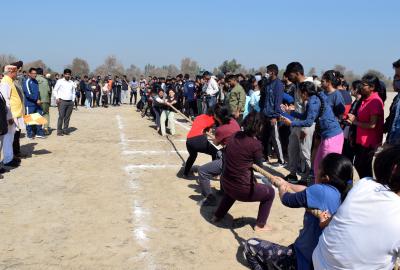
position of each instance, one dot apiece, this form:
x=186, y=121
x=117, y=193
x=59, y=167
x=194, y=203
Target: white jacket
x=212, y=87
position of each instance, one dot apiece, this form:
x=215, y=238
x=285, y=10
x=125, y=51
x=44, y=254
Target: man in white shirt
x=64, y=91
x=211, y=90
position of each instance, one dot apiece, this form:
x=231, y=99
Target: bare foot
x=266, y=228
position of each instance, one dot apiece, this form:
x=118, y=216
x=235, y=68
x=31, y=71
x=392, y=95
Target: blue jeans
x=211, y=101
x=30, y=129
x=88, y=100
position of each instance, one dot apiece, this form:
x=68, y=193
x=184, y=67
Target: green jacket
x=44, y=89
x=237, y=98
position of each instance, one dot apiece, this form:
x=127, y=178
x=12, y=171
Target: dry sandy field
x=108, y=197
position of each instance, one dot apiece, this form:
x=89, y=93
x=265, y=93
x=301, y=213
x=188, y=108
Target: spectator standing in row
x=369, y=123
x=124, y=89
x=211, y=89
x=64, y=91
x=116, y=91
x=271, y=112
x=19, y=121
x=15, y=110
x=236, y=98
x=3, y=127
x=300, y=139
x=189, y=90
x=32, y=103
x=392, y=124
x=45, y=94
x=133, y=93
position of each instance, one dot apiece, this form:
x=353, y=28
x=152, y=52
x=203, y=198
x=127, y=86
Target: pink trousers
x=327, y=146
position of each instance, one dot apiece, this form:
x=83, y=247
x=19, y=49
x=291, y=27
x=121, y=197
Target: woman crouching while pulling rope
x=242, y=151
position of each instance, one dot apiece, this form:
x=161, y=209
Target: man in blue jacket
x=189, y=90
x=272, y=110
x=32, y=103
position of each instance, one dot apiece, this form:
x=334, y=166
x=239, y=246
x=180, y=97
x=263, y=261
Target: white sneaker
x=40, y=137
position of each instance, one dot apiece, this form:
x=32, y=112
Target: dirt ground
x=108, y=197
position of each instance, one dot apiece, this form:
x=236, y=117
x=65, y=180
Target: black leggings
x=195, y=145
x=363, y=161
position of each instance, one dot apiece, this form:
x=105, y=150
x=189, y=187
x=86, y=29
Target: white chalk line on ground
x=131, y=168
x=142, y=141
x=152, y=152
x=138, y=212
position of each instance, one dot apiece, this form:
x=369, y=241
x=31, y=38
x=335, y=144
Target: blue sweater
x=327, y=121
x=31, y=92
x=336, y=101
x=318, y=196
x=273, y=98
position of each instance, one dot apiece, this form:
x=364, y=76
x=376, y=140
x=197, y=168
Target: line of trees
x=113, y=66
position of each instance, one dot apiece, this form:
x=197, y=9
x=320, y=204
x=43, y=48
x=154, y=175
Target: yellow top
x=17, y=107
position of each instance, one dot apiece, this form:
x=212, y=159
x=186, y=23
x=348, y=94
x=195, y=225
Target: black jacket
x=3, y=116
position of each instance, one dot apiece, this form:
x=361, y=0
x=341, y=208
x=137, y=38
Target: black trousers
x=195, y=145
x=104, y=100
x=96, y=99
x=116, y=96
x=191, y=108
x=363, y=161
x=83, y=98
x=64, y=114
x=133, y=95
x=16, y=144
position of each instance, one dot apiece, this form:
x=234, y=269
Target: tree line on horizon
x=113, y=66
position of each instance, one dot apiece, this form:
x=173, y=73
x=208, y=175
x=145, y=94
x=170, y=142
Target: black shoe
x=291, y=178
x=3, y=170
x=210, y=201
x=65, y=132
x=60, y=134
x=13, y=163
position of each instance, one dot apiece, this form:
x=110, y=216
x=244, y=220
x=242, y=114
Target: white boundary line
x=139, y=214
x=159, y=140
x=130, y=168
x=155, y=152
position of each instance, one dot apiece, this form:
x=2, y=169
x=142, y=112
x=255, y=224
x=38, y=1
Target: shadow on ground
x=29, y=150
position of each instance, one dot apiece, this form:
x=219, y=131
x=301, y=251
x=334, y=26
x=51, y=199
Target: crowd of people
x=318, y=128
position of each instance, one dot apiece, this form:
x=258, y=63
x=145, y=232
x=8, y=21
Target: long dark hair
x=387, y=168
x=252, y=125
x=311, y=90
x=339, y=169
x=223, y=113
